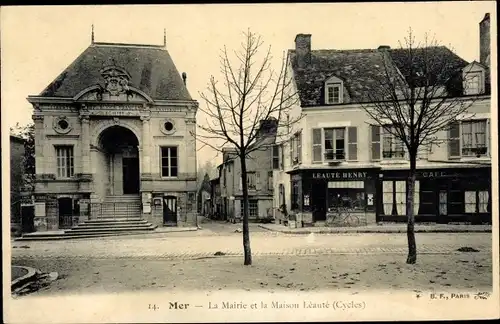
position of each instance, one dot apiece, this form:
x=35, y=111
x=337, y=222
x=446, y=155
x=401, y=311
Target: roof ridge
x=127, y=45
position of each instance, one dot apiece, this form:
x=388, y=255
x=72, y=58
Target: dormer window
x=334, y=93
x=473, y=83
x=474, y=79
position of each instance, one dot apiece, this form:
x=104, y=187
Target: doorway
x=65, y=212
x=319, y=192
x=170, y=211
x=131, y=181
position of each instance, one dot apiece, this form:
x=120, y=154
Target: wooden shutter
x=282, y=156
x=454, y=140
x=299, y=147
x=316, y=145
x=488, y=133
x=375, y=139
x=352, y=147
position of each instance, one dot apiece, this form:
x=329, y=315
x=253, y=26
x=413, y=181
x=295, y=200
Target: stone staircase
x=117, y=215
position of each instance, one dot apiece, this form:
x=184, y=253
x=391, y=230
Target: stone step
x=105, y=224
x=108, y=229
x=114, y=219
x=67, y=236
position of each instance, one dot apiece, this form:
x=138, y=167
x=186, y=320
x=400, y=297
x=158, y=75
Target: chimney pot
x=303, y=50
x=184, y=77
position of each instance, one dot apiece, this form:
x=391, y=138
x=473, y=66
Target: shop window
x=476, y=201
x=346, y=194
x=394, y=198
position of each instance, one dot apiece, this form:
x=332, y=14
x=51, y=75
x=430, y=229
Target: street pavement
x=186, y=261
x=222, y=237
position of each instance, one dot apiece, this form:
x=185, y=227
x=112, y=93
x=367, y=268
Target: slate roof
x=150, y=67
x=362, y=70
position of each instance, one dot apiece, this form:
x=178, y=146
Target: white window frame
x=469, y=76
x=332, y=86
x=487, y=140
x=394, y=140
x=63, y=170
x=323, y=150
x=169, y=147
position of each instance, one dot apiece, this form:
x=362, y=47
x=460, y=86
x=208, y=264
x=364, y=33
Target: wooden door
x=170, y=211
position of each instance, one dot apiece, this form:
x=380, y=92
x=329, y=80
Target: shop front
x=316, y=193
x=441, y=195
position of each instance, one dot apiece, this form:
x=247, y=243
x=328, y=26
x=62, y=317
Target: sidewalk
x=386, y=228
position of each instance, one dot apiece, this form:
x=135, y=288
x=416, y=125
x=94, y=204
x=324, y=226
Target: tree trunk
x=410, y=193
x=246, y=235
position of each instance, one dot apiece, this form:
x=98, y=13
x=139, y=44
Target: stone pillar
x=85, y=144
x=146, y=146
x=39, y=143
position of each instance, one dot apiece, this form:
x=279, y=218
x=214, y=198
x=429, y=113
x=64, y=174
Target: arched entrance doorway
x=117, y=165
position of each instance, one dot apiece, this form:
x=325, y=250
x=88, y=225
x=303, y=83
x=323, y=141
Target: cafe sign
x=340, y=175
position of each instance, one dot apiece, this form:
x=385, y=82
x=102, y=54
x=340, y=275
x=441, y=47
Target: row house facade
x=337, y=151
x=259, y=178
x=115, y=136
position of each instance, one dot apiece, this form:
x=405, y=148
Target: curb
x=60, y=237
x=388, y=231
x=24, y=279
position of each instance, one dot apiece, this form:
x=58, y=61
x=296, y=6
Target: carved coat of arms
x=115, y=81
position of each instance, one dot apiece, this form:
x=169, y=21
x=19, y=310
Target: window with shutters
x=375, y=139
x=296, y=148
x=65, y=161
x=334, y=144
x=392, y=146
x=385, y=145
x=469, y=138
x=276, y=157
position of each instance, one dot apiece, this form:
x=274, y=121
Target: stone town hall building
x=115, y=139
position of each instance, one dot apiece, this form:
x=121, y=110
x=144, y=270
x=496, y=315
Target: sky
x=38, y=43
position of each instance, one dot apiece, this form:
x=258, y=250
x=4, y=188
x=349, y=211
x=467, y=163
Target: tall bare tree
x=251, y=91
x=415, y=102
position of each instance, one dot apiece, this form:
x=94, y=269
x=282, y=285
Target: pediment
x=334, y=79
x=474, y=67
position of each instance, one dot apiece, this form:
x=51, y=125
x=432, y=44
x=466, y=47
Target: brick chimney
x=484, y=41
x=303, y=50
